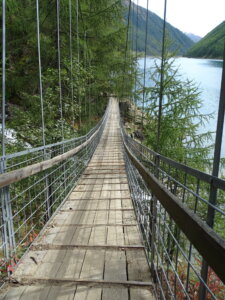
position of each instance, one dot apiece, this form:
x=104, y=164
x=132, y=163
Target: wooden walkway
x=92, y=249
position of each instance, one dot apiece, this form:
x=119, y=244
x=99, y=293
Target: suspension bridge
x=92, y=248
x=109, y=238
x=102, y=216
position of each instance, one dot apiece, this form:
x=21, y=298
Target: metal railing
x=171, y=203
x=36, y=183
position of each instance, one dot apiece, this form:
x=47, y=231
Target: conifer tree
x=180, y=137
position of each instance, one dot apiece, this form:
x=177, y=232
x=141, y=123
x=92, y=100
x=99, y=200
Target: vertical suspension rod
x=145, y=61
x=161, y=78
x=3, y=74
x=71, y=60
x=135, y=95
x=40, y=73
x=59, y=67
x=126, y=46
x=78, y=58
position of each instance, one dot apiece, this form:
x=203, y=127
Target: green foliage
x=98, y=67
x=180, y=119
x=211, y=46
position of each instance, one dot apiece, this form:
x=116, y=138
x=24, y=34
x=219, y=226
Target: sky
x=195, y=16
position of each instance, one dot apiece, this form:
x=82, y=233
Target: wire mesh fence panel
x=176, y=264
x=28, y=203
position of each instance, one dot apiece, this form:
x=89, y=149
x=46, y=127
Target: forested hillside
x=179, y=40
x=89, y=47
x=211, y=46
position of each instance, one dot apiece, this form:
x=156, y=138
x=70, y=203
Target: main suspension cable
x=40, y=73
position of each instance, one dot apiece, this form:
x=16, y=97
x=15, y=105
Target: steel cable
x=145, y=62
x=71, y=60
x=59, y=67
x=40, y=73
x=161, y=77
x=3, y=73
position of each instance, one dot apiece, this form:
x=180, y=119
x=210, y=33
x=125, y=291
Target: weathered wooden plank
x=115, y=217
x=129, y=217
x=118, y=293
x=138, y=269
x=65, y=292
x=64, y=235
x=115, y=266
x=39, y=292
x=98, y=235
x=116, y=204
x=14, y=293
x=93, y=265
x=88, y=293
x=103, y=204
x=72, y=264
x=101, y=217
x=127, y=203
x=132, y=235
x=141, y=294
x=29, y=265
x=115, y=269
x=115, y=235
x=81, y=235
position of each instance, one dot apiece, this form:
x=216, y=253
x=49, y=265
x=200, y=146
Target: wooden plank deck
x=92, y=249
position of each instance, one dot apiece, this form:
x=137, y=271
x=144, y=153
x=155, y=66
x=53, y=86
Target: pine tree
x=179, y=137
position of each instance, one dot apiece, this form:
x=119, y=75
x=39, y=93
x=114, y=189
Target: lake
x=207, y=73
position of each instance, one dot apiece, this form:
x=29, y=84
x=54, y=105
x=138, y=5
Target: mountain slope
x=193, y=37
x=155, y=29
x=211, y=46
